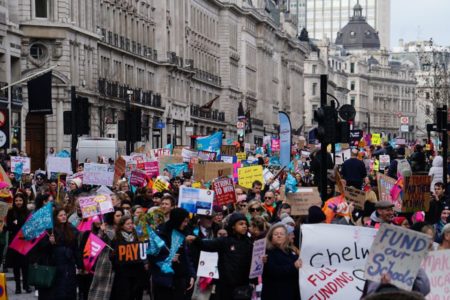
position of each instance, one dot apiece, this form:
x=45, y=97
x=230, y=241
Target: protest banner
x=208, y=171
x=130, y=253
x=346, y=154
x=228, y=159
x=228, y=150
x=397, y=251
x=197, y=201
x=267, y=175
x=416, y=193
x=356, y=196
x=385, y=184
x=98, y=174
x=376, y=139
x=157, y=153
x=224, y=189
x=257, y=265
x=24, y=162
x=437, y=268
x=150, y=168
x=247, y=175
x=167, y=160
x=302, y=200
x=59, y=165
x=275, y=145
x=207, y=265
x=188, y=154
x=95, y=205
x=211, y=142
x=241, y=156
x=138, y=178
x=160, y=185
x=333, y=269
x=385, y=161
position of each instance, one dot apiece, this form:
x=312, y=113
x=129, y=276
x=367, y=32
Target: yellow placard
x=241, y=156
x=247, y=175
x=376, y=165
x=160, y=185
x=3, y=294
x=197, y=185
x=376, y=139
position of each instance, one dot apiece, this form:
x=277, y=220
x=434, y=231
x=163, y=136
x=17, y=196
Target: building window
x=352, y=85
x=427, y=95
x=38, y=51
x=352, y=101
x=314, y=89
x=352, y=67
x=41, y=8
x=314, y=69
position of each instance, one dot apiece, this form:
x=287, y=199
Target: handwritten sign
x=247, y=175
x=98, y=174
x=138, y=178
x=416, y=195
x=224, y=189
x=207, y=265
x=437, y=267
x=59, y=165
x=356, y=196
x=398, y=252
x=385, y=184
x=302, y=200
x=228, y=150
x=376, y=139
x=197, y=201
x=385, y=161
x=95, y=205
x=130, y=253
x=259, y=250
x=119, y=168
x=241, y=156
x=337, y=265
x=25, y=162
x=160, y=185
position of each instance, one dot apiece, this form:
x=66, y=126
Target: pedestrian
x=354, y=171
x=384, y=213
x=436, y=171
x=280, y=275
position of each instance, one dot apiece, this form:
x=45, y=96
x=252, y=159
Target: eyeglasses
x=253, y=209
x=242, y=205
x=268, y=197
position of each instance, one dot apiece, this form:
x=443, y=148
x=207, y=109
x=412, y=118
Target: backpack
x=403, y=168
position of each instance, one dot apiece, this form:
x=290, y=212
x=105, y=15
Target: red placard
x=224, y=191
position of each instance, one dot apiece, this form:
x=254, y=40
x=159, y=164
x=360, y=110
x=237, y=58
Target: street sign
x=404, y=120
x=160, y=125
x=404, y=128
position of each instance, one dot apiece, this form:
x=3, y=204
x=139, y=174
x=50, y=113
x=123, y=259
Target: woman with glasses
x=255, y=209
x=280, y=276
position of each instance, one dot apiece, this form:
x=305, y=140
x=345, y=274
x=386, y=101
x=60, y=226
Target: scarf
x=177, y=240
x=128, y=237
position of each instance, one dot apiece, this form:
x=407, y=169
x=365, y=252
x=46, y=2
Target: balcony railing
x=128, y=45
x=257, y=122
x=206, y=76
x=214, y=115
x=16, y=93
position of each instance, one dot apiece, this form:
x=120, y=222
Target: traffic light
x=326, y=117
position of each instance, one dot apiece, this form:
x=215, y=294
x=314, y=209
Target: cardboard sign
x=259, y=250
x=416, y=194
x=131, y=253
x=95, y=205
x=385, y=161
x=158, y=153
x=247, y=175
x=196, y=201
x=98, y=174
x=207, y=155
x=437, y=267
x=138, y=178
x=356, y=196
x=385, y=184
x=397, y=251
x=59, y=165
x=119, y=168
x=207, y=265
x=376, y=139
x=302, y=200
x=150, y=168
x=228, y=150
x=224, y=189
x=167, y=160
x=24, y=161
x=336, y=265
x=208, y=171
x=241, y=156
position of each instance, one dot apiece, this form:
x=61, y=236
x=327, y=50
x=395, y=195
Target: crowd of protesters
x=259, y=212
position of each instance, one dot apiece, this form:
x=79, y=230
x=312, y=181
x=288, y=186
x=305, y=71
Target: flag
x=94, y=246
x=155, y=243
x=207, y=107
x=4, y=177
x=285, y=138
x=40, y=94
x=86, y=224
x=21, y=245
x=38, y=222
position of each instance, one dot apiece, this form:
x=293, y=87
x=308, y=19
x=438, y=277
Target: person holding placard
x=280, y=275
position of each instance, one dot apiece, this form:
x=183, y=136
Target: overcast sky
x=420, y=19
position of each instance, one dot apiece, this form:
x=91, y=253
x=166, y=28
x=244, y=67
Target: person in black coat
x=59, y=248
x=174, y=285
x=354, y=171
x=235, y=256
x=15, y=219
x=280, y=275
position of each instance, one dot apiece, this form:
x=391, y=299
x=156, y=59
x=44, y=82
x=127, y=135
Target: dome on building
x=358, y=34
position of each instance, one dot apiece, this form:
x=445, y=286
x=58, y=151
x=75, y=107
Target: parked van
x=92, y=148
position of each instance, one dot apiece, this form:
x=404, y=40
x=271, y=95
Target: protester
x=437, y=203
x=445, y=244
x=436, y=171
x=384, y=214
x=354, y=171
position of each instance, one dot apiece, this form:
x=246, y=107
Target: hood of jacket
x=438, y=161
x=375, y=218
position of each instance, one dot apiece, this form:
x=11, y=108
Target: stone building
x=168, y=58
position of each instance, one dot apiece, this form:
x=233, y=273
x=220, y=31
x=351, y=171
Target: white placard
x=437, y=267
x=59, y=165
x=196, y=201
x=26, y=162
x=207, y=265
x=259, y=250
x=98, y=174
x=269, y=175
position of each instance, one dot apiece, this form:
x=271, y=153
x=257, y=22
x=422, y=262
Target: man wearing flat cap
x=384, y=213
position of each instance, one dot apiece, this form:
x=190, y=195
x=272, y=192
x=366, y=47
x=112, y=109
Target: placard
x=376, y=139
x=207, y=265
x=241, y=156
x=385, y=161
x=397, y=251
x=95, y=205
x=416, y=194
x=224, y=189
x=157, y=153
x=120, y=166
x=228, y=150
x=257, y=265
x=207, y=155
x=333, y=258
x=167, y=160
x=197, y=201
x=275, y=145
x=160, y=185
x=302, y=200
x=247, y=175
x=267, y=175
x=25, y=161
x=59, y=165
x=437, y=268
x=150, y=168
x=138, y=178
x=188, y=154
x=98, y=174
x=356, y=196
x=131, y=253
x=208, y=171
x=385, y=184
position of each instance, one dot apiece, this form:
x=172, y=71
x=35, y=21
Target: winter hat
x=77, y=182
x=315, y=215
x=234, y=218
x=286, y=219
x=177, y=216
x=3, y=185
